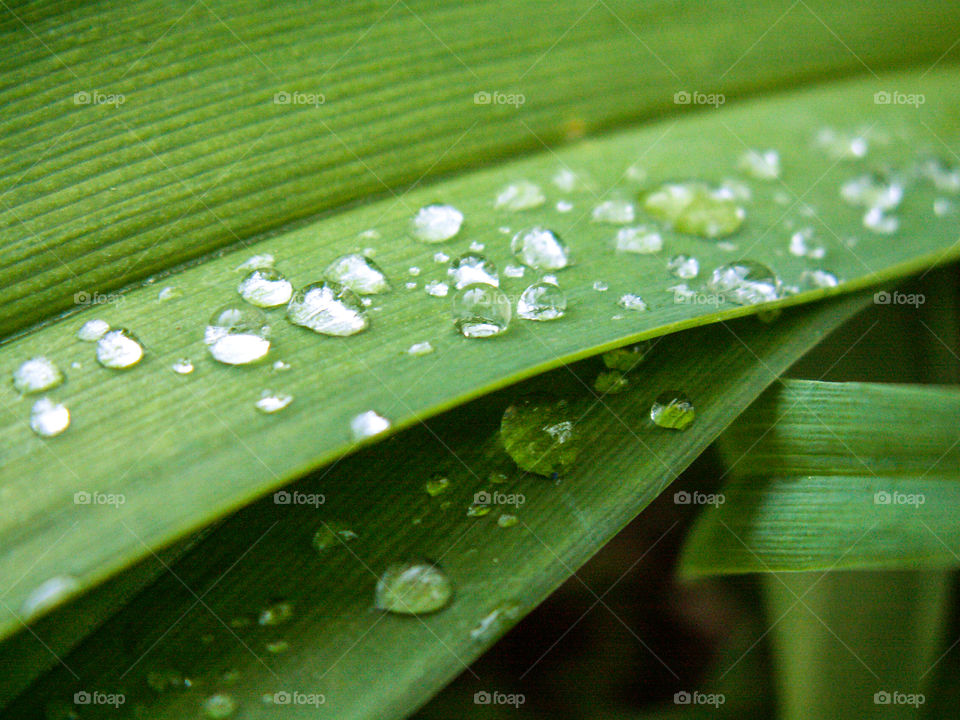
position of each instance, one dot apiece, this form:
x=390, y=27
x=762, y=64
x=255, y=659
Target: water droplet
x=237, y=335
x=506, y=520
x=332, y=534
x=183, y=366
x=265, y=288
x=276, y=613
x=481, y=311
x=540, y=435
x=368, y=424
x=420, y=348
x=736, y=190
x=629, y=301
x=514, y=271
x=93, y=330
x=471, y=268
x=818, y=279
x=542, y=301
x=636, y=173
x=873, y=190
x=441, y=257
x=166, y=679
x=119, y=349
x=280, y=366
x=564, y=206
x=437, y=485
x=745, y=282
x=436, y=288
x=359, y=274
x=220, y=705
x=610, y=382
x=627, y=358
x=413, y=270
x=496, y=622
x=565, y=179
x=842, y=145
x=436, y=223
x=879, y=222
x=413, y=588
x=36, y=375
x=616, y=211
x=684, y=266
x=600, y=286
x=672, y=410
x=478, y=509
x=800, y=245
x=697, y=209
x=943, y=207
x=945, y=177
x=257, y=262
x=271, y=402
x=328, y=308
x=760, y=164
x=540, y=249
x=642, y=240
x=48, y=595
x=277, y=646
x=169, y=293
x=497, y=478
x=522, y=195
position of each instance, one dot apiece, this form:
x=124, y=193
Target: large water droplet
x=540, y=434
x=616, y=211
x=220, y=705
x=328, y=308
x=413, y=588
x=695, y=208
x=48, y=595
x=265, y=288
x=36, y=375
x=760, y=164
x=93, y=330
x=472, y=268
x=684, y=266
x=642, y=240
x=436, y=223
x=745, y=282
x=673, y=410
x=119, y=349
x=367, y=424
x=237, y=335
x=542, y=301
x=522, y=195
x=481, y=311
x=540, y=249
x=271, y=402
x=358, y=273
x=627, y=358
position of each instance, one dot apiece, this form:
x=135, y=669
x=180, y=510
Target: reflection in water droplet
x=542, y=301
x=413, y=588
x=642, y=240
x=92, y=330
x=565, y=179
x=944, y=176
x=119, y=349
x=368, y=424
x=441, y=257
x=359, y=274
x=540, y=249
x=237, y=335
x=842, y=145
x=472, y=268
x=540, y=435
x=436, y=223
x=478, y=509
x=36, y=375
x=328, y=308
x=481, y=311
x=276, y=647
x=672, y=410
x=522, y=195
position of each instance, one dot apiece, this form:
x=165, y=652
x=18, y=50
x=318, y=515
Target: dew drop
x=610, y=382
x=642, y=240
x=280, y=366
x=220, y=705
x=540, y=249
x=521, y=195
x=697, y=209
x=367, y=424
x=616, y=211
x=672, y=409
x=627, y=358
x=93, y=330
x=237, y=335
x=507, y=520
x=413, y=270
x=48, y=595
x=36, y=375
x=481, y=311
x=800, y=245
x=542, y=301
x=636, y=173
x=745, y=282
x=876, y=220
x=359, y=274
x=437, y=485
x=565, y=179
x=416, y=587
x=514, y=271
x=169, y=293
x=275, y=614
x=441, y=257
x=818, y=279
x=257, y=262
x=167, y=679
x=873, y=190
x=265, y=288
x=760, y=164
x=496, y=622
x=600, y=286
x=540, y=435
x=478, y=509
x=564, y=206
x=276, y=647
x=436, y=223
x=630, y=301
x=945, y=177
x=119, y=349
x=943, y=207
x=328, y=308
x=332, y=534
x=436, y=288
x=271, y=402
x=842, y=145
x=410, y=285
x=684, y=266
x=471, y=268
x=420, y=348
x=183, y=366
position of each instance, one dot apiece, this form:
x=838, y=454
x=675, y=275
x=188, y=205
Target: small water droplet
x=471, y=268
x=436, y=288
x=642, y=240
x=745, y=282
x=616, y=211
x=36, y=375
x=169, y=293
x=48, y=595
x=873, y=190
x=684, y=266
x=636, y=173
x=359, y=274
x=879, y=222
x=411, y=285
x=610, y=382
x=276, y=647
x=257, y=262
x=276, y=613
x=542, y=301
x=183, y=366
x=265, y=288
x=514, y=271
x=481, y=311
x=697, y=209
x=497, y=478
x=416, y=587
x=540, y=249
x=564, y=206
x=280, y=366
x=436, y=223
x=420, y=348
x=945, y=177
x=93, y=330
x=237, y=335
x=437, y=485
x=332, y=534
x=220, y=705
x=506, y=520
x=736, y=190
x=496, y=621
x=328, y=308
x=565, y=179
x=627, y=358
x=672, y=409
x=166, y=679
x=600, y=286
x=540, y=435
x=842, y=145
x=630, y=301
x=800, y=245
x=119, y=349
x=522, y=195
x=478, y=509
x=943, y=207
x=271, y=402
x=441, y=257
x=367, y=424
x=760, y=164
x=818, y=279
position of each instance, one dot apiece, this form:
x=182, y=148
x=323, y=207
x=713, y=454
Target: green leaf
x=835, y=476
x=343, y=649
x=140, y=135
x=184, y=451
